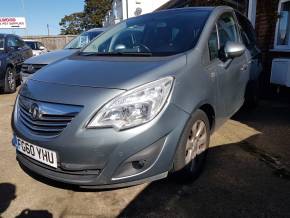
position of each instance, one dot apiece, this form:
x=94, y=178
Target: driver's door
x=232, y=73
x=12, y=49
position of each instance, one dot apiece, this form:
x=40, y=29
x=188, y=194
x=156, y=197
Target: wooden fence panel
x=52, y=42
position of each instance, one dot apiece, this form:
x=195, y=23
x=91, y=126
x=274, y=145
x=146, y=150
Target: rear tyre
x=10, y=80
x=192, y=150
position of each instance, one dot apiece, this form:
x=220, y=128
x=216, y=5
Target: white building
x=123, y=9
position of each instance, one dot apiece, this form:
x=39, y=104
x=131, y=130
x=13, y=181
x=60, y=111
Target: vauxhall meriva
x=139, y=102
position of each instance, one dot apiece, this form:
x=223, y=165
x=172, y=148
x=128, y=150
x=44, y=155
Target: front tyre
x=191, y=152
x=10, y=80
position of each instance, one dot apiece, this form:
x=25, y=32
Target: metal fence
x=52, y=42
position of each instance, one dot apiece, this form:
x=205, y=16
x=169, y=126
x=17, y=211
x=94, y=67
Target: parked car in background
x=36, y=46
x=13, y=52
x=137, y=103
x=33, y=64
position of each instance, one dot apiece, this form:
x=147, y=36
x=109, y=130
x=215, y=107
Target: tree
x=94, y=12
x=72, y=24
x=92, y=16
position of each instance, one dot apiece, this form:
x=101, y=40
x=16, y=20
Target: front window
x=2, y=44
x=227, y=30
x=39, y=44
x=213, y=45
x=154, y=34
x=32, y=45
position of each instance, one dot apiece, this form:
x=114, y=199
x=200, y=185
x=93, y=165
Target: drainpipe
x=252, y=12
x=127, y=9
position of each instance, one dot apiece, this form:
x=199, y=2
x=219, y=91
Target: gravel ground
x=247, y=175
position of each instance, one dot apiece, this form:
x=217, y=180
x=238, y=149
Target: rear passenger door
x=253, y=52
x=232, y=73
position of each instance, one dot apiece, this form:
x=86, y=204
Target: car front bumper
x=111, y=157
x=24, y=76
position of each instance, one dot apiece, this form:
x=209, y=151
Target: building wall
x=266, y=19
x=123, y=9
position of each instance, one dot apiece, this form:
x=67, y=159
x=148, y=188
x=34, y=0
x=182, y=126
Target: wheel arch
x=210, y=112
x=9, y=65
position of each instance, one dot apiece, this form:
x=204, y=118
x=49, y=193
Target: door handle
x=244, y=67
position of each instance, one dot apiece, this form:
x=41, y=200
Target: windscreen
x=156, y=34
x=94, y=34
x=81, y=40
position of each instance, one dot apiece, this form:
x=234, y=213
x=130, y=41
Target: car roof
x=7, y=34
x=101, y=29
x=180, y=11
x=30, y=40
x=209, y=9
x=187, y=9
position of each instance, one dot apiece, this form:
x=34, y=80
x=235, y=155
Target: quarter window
x=213, y=45
x=227, y=30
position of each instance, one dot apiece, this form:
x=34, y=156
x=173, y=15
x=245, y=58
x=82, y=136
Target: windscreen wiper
x=143, y=54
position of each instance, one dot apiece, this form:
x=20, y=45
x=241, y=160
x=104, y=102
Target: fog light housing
x=140, y=162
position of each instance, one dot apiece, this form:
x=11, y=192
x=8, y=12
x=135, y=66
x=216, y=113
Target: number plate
x=40, y=154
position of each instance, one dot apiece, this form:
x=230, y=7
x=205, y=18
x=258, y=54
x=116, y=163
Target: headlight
x=134, y=107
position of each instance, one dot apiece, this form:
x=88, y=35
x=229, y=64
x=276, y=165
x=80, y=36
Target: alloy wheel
x=196, y=142
x=11, y=79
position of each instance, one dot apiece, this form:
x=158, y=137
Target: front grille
x=51, y=119
x=31, y=68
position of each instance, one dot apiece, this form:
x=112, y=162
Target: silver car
x=33, y=64
x=136, y=104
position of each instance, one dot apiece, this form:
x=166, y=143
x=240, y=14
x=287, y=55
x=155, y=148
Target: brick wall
x=266, y=18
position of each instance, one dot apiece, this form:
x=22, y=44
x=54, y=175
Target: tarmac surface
x=247, y=174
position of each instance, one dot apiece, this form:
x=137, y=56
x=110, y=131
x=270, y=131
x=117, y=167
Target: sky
x=38, y=14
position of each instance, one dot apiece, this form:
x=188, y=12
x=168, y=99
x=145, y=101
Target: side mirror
x=120, y=47
x=41, y=48
x=234, y=49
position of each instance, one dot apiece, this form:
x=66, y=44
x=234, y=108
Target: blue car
x=13, y=52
